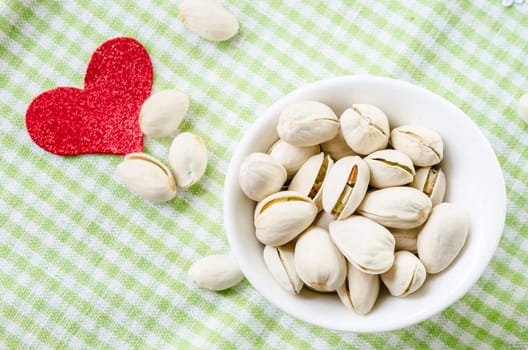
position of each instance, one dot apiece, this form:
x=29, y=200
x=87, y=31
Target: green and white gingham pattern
x=86, y=264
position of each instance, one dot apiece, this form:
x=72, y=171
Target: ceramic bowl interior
x=474, y=181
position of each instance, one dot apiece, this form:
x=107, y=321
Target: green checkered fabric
x=86, y=264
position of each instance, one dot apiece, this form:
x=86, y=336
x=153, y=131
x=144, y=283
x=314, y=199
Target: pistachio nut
x=292, y=157
x=406, y=275
x=432, y=182
x=309, y=179
x=345, y=186
x=389, y=167
x=396, y=207
x=365, y=128
x=282, y=216
x=280, y=262
x=423, y=145
x=187, y=158
x=209, y=19
x=216, y=272
x=360, y=290
x=307, y=123
x=260, y=175
x=366, y=244
x=337, y=147
x=162, y=113
x=406, y=238
x=324, y=219
x=147, y=177
x=442, y=237
x=318, y=262
x=522, y=107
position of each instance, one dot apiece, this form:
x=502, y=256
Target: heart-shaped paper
x=104, y=116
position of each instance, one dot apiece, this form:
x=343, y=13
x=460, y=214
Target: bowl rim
x=232, y=180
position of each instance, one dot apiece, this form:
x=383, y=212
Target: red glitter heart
x=104, y=116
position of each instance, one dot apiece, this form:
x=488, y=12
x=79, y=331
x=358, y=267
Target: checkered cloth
x=86, y=264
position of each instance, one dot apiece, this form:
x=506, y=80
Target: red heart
x=104, y=116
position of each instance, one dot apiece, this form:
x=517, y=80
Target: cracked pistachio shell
x=209, y=19
x=389, y=167
x=280, y=262
x=162, y=113
x=282, y=216
x=406, y=238
x=318, y=262
x=187, y=158
x=432, y=182
x=365, y=128
x=396, y=207
x=345, y=186
x=360, y=290
x=292, y=157
x=366, y=244
x=307, y=123
x=443, y=236
x=337, y=147
x=406, y=275
x=324, y=219
x=216, y=272
x=309, y=179
x=260, y=175
x=147, y=177
x=423, y=145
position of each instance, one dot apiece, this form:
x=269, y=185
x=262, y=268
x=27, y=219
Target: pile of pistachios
x=160, y=116
x=345, y=204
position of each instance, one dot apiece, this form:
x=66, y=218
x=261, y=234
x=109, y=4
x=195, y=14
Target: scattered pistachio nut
x=442, y=237
x=282, y=216
x=360, y=290
x=147, y=177
x=423, y=145
x=389, y=168
x=365, y=128
x=406, y=238
x=216, y=272
x=366, y=244
x=187, y=159
x=432, y=182
x=209, y=19
x=337, y=147
x=345, y=186
x=309, y=179
x=307, y=123
x=162, y=113
x=523, y=107
x=406, y=275
x=396, y=207
x=260, y=176
x=280, y=262
x=318, y=262
x=292, y=157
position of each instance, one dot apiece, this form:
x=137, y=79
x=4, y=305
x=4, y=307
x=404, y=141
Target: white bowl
x=474, y=181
